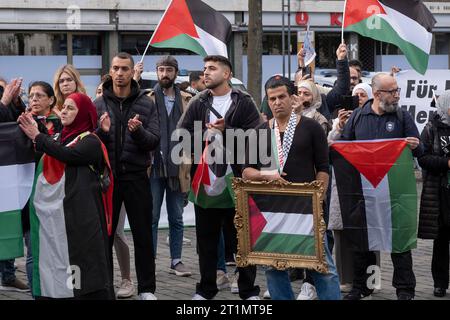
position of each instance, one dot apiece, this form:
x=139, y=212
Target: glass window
x=441, y=43
x=86, y=45
x=27, y=44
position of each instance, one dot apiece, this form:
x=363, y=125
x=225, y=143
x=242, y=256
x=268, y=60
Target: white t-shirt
x=221, y=104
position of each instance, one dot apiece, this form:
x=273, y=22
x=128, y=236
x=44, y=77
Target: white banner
x=417, y=93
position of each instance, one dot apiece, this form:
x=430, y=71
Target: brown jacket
x=184, y=171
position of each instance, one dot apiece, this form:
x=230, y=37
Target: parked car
x=327, y=77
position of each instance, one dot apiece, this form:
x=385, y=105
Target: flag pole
x=145, y=51
x=343, y=21
x=157, y=27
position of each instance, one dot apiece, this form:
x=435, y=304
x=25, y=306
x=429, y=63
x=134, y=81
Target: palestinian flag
x=281, y=224
x=16, y=182
x=68, y=229
x=407, y=24
x=377, y=193
x=194, y=26
x=211, y=184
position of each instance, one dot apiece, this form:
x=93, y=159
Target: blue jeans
x=8, y=271
x=327, y=285
x=174, y=206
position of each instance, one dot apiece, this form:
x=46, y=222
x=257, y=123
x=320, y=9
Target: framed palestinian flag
x=280, y=226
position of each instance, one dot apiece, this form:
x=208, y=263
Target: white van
x=150, y=79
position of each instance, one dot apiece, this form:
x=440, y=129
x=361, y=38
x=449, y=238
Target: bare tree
x=254, y=50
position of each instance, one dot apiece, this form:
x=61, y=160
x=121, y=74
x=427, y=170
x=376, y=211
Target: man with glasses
x=382, y=118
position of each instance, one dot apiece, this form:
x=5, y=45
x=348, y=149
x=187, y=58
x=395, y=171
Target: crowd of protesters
x=129, y=130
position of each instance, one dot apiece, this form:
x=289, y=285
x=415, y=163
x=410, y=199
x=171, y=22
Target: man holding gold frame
x=298, y=152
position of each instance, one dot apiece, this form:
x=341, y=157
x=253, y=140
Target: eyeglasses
x=62, y=80
x=37, y=95
x=392, y=92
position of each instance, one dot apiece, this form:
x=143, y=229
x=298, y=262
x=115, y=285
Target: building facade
x=36, y=37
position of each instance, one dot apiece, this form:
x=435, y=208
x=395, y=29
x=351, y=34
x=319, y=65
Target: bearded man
x=382, y=118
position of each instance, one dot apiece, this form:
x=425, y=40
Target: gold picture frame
x=281, y=261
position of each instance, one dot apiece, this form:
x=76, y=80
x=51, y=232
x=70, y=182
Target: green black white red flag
x=377, y=193
x=281, y=224
x=194, y=26
x=16, y=182
x=407, y=24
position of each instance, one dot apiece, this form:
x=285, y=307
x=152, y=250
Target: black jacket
x=10, y=113
x=129, y=152
x=435, y=166
x=242, y=114
x=341, y=86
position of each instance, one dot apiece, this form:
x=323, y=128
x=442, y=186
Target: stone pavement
x=171, y=287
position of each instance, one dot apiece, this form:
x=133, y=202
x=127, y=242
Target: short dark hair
x=279, y=81
x=355, y=63
x=195, y=76
x=124, y=55
x=46, y=87
x=105, y=77
x=220, y=59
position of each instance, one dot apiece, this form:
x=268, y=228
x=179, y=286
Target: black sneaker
x=355, y=294
x=405, y=296
x=439, y=292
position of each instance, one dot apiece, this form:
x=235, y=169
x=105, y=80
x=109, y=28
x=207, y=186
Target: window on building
x=86, y=44
x=441, y=43
x=25, y=44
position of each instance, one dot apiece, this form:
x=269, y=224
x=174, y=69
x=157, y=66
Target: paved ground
x=170, y=287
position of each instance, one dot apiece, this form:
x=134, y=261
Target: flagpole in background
x=154, y=32
x=343, y=21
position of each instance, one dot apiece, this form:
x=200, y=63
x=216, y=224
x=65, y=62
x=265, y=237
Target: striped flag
x=407, y=24
x=68, y=229
x=281, y=224
x=16, y=181
x=211, y=184
x=377, y=193
x=195, y=26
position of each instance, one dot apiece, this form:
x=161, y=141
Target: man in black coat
x=132, y=136
x=219, y=108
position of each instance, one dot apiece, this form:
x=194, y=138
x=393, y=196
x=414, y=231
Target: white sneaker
x=346, y=287
x=234, y=285
x=186, y=241
x=222, y=280
x=198, y=297
x=126, y=289
x=253, y=298
x=308, y=292
x=266, y=294
x=147, y=296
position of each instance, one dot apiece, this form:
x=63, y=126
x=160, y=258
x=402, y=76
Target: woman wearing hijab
x=308, y=101
x=71, y=207
x=364, y=93
x=434, y=217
